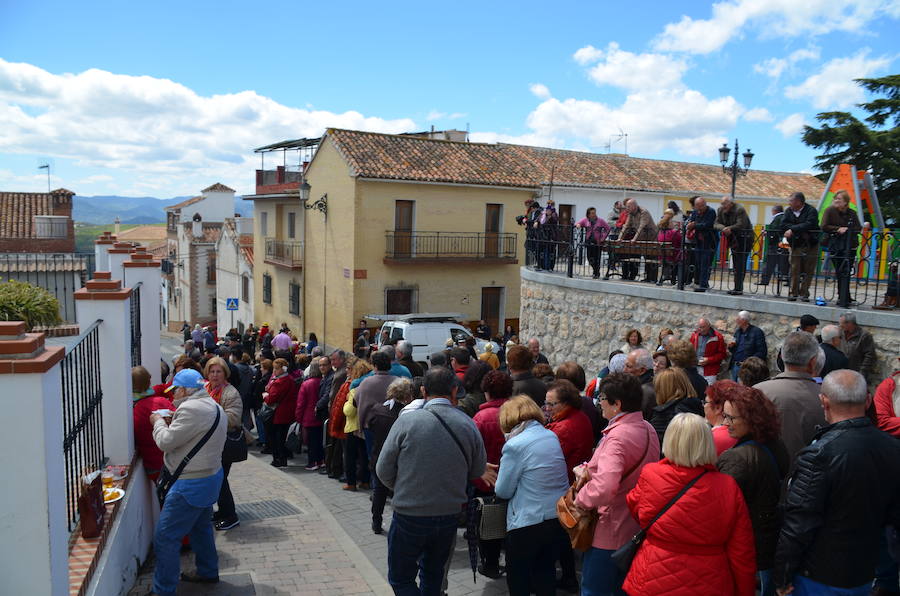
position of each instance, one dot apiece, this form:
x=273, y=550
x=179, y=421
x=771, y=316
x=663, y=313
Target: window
x=292, y=224
x=264, y=223
x=210, y=266
x=215, y=305
x=400, y=301
x=294, y=298
x=245, y=288
x=267, y=288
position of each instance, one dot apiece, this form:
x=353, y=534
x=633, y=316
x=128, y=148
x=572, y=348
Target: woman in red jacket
x=497, y=387
x=886, y=416
x=704, y=543
x=305, y=414
x=281, y=393
x=576, y=437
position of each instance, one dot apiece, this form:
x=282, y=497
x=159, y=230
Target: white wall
x=215, y=207
x=603, y=200
x=230, y=267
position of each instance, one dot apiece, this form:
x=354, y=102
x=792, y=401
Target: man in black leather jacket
x=844, y=489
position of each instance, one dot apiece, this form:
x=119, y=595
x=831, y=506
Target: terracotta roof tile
x=150, y=234
x=17, y=211
x=218, y=187
x=405, y=157
x=185, y=203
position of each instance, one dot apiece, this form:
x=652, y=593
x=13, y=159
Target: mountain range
x=133, y=210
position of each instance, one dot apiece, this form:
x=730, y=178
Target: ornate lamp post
x=734, y=169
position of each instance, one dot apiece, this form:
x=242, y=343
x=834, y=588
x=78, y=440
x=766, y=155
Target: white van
x=427, y=332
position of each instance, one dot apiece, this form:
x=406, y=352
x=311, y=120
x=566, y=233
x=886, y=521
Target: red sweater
x=576, y=437
x=487, y=420
x=702, y=545
x=143, y=431
x=305, y=412
x=886, y=417
x=283, y=396
x=715, y=352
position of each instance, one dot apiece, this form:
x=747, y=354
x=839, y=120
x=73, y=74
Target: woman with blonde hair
x=533, y=477
x=703, y=542
x=356, y=460
x=226, y=395
x=674, y=395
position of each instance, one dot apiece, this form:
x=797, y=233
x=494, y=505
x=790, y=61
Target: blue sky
x=165, y=98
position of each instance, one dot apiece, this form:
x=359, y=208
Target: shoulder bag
x=578, y=523
x=624, y=555
x=167, y=479
x=235, y=446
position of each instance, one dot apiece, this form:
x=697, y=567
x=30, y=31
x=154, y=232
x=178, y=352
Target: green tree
x=870, y=144
x=20, y=301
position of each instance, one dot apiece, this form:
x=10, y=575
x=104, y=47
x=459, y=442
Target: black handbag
x=167, y=479
x=624, y=555
x=235, y=449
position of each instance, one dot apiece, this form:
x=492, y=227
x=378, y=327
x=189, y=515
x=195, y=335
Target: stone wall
x=585, y=320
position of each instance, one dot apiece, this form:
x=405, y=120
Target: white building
x=193, y=229
x=234, y=274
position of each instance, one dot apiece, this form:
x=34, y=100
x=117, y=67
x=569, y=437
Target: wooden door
x=491, y=303
x=399, y=302
x=403, y=228
x=492, y=216
x=565, y=215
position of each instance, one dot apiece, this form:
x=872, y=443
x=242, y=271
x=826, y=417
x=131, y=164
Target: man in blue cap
x=198, y=420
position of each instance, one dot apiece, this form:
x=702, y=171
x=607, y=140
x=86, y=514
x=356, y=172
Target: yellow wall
x=278, y=311
x=330, y=244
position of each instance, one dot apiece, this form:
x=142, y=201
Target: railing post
x=101, y=251
x=104, y=298
x=143, y=268
x=33, y=533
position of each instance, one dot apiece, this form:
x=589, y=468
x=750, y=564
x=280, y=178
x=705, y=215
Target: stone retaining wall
x=584, y=320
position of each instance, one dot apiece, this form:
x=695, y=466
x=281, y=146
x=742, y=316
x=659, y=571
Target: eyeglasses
x=706, y=402
x=729, y=419
x=551, y=404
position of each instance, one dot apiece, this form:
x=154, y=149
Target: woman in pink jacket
x=627, y=445
x=305, y=414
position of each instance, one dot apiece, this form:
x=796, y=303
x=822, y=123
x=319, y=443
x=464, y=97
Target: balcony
x=281, y=179
x=407, y=247
x=284, y=253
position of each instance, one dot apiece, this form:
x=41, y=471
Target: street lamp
x=734, y=169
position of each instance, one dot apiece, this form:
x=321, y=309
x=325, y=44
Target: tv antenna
x=622, y=135
x=46, y=166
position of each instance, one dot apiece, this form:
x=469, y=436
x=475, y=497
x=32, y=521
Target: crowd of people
x=743, y=481
x=790, y=249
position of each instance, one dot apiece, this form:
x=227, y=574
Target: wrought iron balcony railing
x=413, y=246
x=287, y=253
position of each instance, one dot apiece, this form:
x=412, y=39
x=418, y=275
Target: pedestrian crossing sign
x=231, y=304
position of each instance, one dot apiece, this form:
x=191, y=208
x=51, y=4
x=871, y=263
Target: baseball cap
x=808, y=321
x=188, y=378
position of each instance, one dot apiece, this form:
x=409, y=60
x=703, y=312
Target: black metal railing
x=136, y=324
x=754, y=263
x=450, y=245
x=284, y=252
x=82, y=412
x=61, y=274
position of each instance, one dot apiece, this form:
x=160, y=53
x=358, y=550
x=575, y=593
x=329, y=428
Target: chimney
x=118, y=224
x=197, y=226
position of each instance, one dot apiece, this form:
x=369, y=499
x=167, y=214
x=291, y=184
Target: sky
x=163, y=98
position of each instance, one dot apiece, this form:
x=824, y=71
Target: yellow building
x=425, y=222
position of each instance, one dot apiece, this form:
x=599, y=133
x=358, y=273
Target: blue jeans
x=419, y=544
x=177, y=519
x=765, y=580
x=599, y=575
x=803, y=586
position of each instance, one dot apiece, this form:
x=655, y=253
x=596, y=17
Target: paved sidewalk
x=303, y=550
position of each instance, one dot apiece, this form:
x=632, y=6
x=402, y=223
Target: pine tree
x=871, y=144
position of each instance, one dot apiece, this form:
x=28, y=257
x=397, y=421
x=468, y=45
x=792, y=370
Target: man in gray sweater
x=428, y=459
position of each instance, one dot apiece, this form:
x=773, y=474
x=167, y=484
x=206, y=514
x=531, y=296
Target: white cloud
x=782, y=18
x=775, y=67
x=161, y=133
x=587, y=54
x=94, y=179
x=833, y=86
x=791, y=125
x=628, y=70
x=437, y=115
x=539, y=90
x=655, y=120
x=758, y=115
